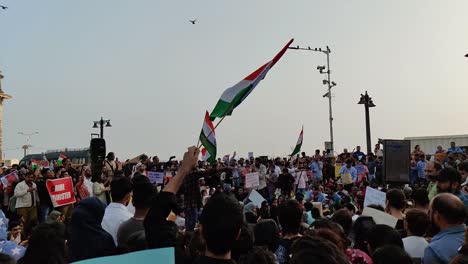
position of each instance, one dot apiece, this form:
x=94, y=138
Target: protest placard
x=162, y=255
x=61, y=191
x=252, y=180
x=256, y=198
x=380, y=218
x=374, y=196
x=156, y=177
x=337, y=170
x=9, y=179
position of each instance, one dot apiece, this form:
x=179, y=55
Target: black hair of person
x=221, y=221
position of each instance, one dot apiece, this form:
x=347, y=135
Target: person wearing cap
x=449, y=181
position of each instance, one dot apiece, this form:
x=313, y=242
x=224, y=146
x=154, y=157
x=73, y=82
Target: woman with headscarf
x=88, y=239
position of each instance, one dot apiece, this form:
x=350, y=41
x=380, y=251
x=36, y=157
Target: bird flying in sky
x=193, y=21
x=4, y=7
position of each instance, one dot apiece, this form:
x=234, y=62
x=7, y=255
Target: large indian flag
x=208, y=140
x=232, y=97
x=297, y=149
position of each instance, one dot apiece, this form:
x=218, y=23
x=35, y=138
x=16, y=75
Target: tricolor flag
x=208, y=140
x=35, y=164
x=297, y=149
x=60, y=159
x=232, y=97
x=226, y=157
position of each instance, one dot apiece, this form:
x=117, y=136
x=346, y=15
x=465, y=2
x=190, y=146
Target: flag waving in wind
x=60, y=159
x=208, y=140
x=297, y=149
x=232, y=97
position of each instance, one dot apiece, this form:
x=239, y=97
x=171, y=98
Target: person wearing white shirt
x=262, y=171
x=87, y=180
x=416, y=223
x=301, y=179
x=116, y=212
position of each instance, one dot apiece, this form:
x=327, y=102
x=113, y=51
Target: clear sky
x=144, y=66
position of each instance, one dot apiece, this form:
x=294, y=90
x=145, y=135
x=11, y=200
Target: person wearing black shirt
x=45, y=204
x=286, y=182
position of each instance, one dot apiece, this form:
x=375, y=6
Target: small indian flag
x=233, y=97
x=297, y=149
x=35, y=164
x=208, y=140
x=60, y=159
x=205, y=154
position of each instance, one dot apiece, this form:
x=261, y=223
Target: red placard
x=61, y=191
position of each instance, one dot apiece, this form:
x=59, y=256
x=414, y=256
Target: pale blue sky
x=144, y=66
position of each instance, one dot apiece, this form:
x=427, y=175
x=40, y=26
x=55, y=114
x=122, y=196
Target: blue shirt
x=351, y=171
x=316, y=168
x=420, y=167
x=455, y=150
x=444, y=246
x=320, y=198
x=357, y=154
x=463, y=197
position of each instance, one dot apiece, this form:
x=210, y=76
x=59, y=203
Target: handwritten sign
x=252, y=180
x=156, y=177
x=163, y=255
x=61, y=191
x=256, y=198
x=380, y=218
x=374, y=196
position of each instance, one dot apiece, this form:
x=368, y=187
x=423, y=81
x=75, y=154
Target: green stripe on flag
x=224, y=108
x=210, y=148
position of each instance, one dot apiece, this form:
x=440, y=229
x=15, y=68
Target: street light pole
x=330, y=84
x=100, y=124
x=28, y=136
x=366, y=100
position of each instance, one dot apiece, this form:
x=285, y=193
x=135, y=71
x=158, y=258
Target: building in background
x=3, y=96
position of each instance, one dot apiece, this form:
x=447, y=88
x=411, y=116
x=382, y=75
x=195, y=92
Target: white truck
x=429, y=144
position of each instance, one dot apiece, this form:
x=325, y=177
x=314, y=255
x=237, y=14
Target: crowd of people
x=311, y=213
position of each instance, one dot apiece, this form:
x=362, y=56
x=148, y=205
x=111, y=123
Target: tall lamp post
x=100, y=124
x=28, y=136
x=366, y=100
x=330, y=84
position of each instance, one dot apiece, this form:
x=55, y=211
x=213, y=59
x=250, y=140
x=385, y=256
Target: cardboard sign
x=374, y=196
x=380, y=218
x=256, y=198
x=360, y=169
x=337, y=170
x=156, y=177
x=163, y=255
x=252, y=180
x=61, y=191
